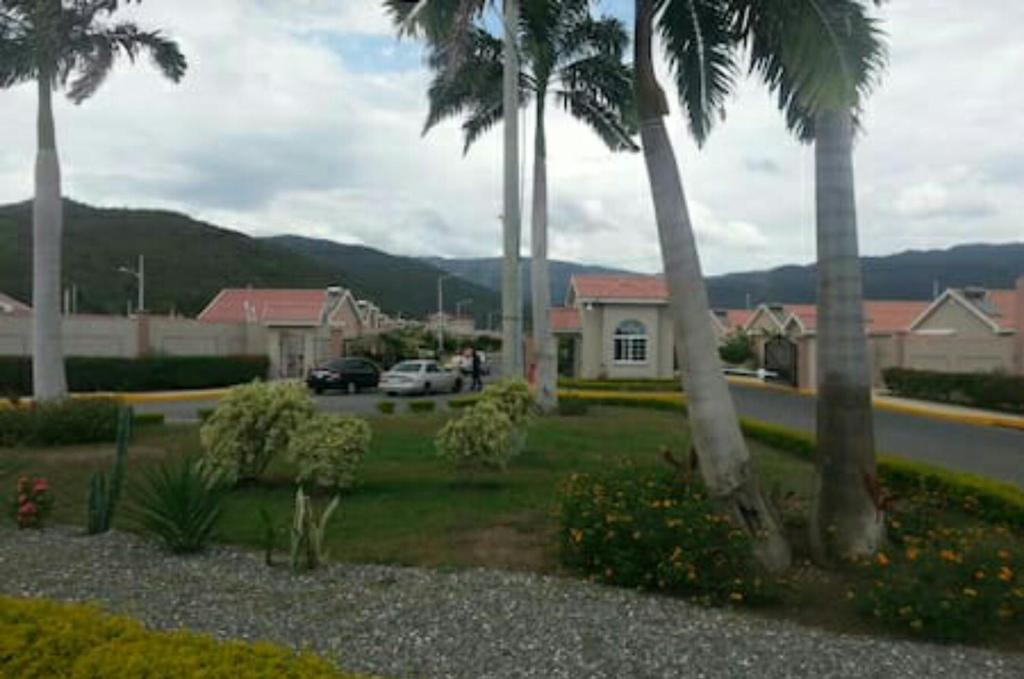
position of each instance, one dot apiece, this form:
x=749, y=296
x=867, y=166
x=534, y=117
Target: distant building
x=453, y=326
x=618, y=327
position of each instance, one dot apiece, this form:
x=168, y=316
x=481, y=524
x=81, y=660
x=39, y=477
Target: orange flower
x=912, y=554
x=881, y=559
x=1004, y=555
x=1005, y=574
x=979, y=575
x=948, y=555
x=577, y=535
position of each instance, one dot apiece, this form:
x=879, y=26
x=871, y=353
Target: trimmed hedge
x=153, y=373
x=989, y=500
x=979, y=390
x=423, y=406
x=620, y=385
x=40, y=638
x=64, y=423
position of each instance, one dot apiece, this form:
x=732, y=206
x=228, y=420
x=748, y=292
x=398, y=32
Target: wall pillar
x=1018, y=349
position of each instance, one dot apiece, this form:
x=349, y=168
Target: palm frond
x=813, y=54
x=700, y=47
x=616, y=128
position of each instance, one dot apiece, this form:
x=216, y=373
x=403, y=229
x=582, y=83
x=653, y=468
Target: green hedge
x=155, y=373
x=980, y=390
x=620, y=385
x=987, y=499
x=60, y=423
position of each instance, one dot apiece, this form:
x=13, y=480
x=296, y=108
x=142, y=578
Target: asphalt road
x=987, y=451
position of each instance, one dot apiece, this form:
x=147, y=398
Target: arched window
x=630, y=342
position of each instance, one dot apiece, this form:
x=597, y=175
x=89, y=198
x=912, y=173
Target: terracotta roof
x=737, y=318
x=565, y=319
x=620, y=287
x=12, y=307
x=880, y=317
x=1004, y=301
x=279, y=307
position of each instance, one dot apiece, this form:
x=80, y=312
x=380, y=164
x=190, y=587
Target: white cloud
x=304, y=116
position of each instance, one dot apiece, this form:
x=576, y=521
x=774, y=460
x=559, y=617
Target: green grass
x=409, y=508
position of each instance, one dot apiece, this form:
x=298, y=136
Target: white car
x=419, y=377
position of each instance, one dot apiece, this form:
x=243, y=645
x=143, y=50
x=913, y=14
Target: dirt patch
x=514, y=545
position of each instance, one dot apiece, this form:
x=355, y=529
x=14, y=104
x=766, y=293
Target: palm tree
x=700, y=45
x=576, y=61
x=822, y=57
x=449, y=22
x=63, y=43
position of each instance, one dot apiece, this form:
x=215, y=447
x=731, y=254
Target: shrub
x=59, y=423
x=571, y=407
x=149, y=419
x=151, y=373
x=463, y=402
x=736, y=349
x=386, y=407
x=981, y=390
x=204, y=414
x=423, y=406
x=480, y=438
x=327, y=450
x=179, y=504
x=620, y=385
x=946, y=584
x=511, y=397
x=651, y=531
x=41, y=639
x=250, y=425
x=33, y=501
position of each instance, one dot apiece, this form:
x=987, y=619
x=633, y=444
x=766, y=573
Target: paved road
x=988, y=451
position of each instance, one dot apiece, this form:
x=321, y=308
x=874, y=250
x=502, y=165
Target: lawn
x=409, y=508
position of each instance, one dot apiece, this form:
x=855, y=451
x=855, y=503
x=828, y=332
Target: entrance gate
x=780, y=358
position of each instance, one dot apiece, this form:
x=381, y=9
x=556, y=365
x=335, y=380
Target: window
x=630, y=342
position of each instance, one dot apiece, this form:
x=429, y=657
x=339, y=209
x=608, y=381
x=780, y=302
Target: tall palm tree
x=699, y=42
x=822, y=58
x=63, y=43
x=448, y=22
x=566, y=56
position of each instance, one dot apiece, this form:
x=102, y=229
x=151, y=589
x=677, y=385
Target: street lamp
x=440, y=314
x=140, y=276
x=459, y=305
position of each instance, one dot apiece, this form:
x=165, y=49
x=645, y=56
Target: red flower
x=41, y=486
x=28, y=509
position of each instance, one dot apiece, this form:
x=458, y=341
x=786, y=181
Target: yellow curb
x=975, y=419
x=767, y=386
x=173, y=396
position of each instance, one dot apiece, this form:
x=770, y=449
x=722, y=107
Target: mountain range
x=189, y=261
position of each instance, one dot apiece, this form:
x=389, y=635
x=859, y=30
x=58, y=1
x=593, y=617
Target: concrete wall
x=955, y=353
x=952, y=316
x=105, y=336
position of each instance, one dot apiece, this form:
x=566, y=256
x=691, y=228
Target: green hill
x=188, y=262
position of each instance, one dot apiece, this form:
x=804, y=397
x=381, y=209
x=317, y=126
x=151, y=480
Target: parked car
x=347, y=374
x=419, y=377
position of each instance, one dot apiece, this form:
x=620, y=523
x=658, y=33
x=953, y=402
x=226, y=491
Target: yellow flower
x=917, y=624
x=1005, y=574
x=1004, y=555
x=912, y=554
x=906, y=611
x=970, y=592
x=736, y=596
x=577, y=535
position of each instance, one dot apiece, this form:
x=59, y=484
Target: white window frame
x=631, y=342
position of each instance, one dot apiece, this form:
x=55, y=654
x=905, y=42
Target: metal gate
x=780, y=360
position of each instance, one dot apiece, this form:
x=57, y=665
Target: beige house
x=618, y=327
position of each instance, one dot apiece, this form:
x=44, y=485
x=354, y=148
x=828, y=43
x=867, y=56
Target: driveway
x=986, y=451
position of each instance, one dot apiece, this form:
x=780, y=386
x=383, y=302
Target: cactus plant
x=308, y=532
x=104, y=487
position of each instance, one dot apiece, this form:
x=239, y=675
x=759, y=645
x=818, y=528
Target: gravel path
x=407, y=622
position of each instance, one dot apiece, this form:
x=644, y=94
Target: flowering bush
x=328, y=449
x=945, y=584
x=482, y=437
x=33, y=502
x=249, y=426
x=652, y=531
x=512, y=397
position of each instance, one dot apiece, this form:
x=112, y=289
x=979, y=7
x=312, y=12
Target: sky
x=305, y=117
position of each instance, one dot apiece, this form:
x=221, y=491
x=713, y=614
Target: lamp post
x=440, y=314
x=140, y=277
x=459, y=305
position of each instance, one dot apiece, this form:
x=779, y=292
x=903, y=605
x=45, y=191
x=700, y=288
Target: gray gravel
x=408, y=622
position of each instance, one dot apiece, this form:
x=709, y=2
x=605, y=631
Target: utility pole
x=512, y=302
x=140, y=277
x=440, y=314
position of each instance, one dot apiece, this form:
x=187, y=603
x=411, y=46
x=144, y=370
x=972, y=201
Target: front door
x=293, y=355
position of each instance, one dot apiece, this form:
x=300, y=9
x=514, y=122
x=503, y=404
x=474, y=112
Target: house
x=451, y=325
x=303, y=327
x=618, y=327
x=12, y=308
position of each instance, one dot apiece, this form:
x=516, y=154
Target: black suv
x=349, y=374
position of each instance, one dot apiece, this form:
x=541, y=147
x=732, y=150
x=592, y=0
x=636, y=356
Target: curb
x=157, y=397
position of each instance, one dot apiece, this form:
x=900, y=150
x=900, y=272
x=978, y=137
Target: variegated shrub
x=328, y=449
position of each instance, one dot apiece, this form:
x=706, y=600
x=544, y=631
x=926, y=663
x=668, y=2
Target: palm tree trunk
x=725, y=462
x=543, y=342
x=48, y=377
x=511, y=297
x=845, y=521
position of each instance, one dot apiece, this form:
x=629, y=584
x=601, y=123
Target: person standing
x=478, y=384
